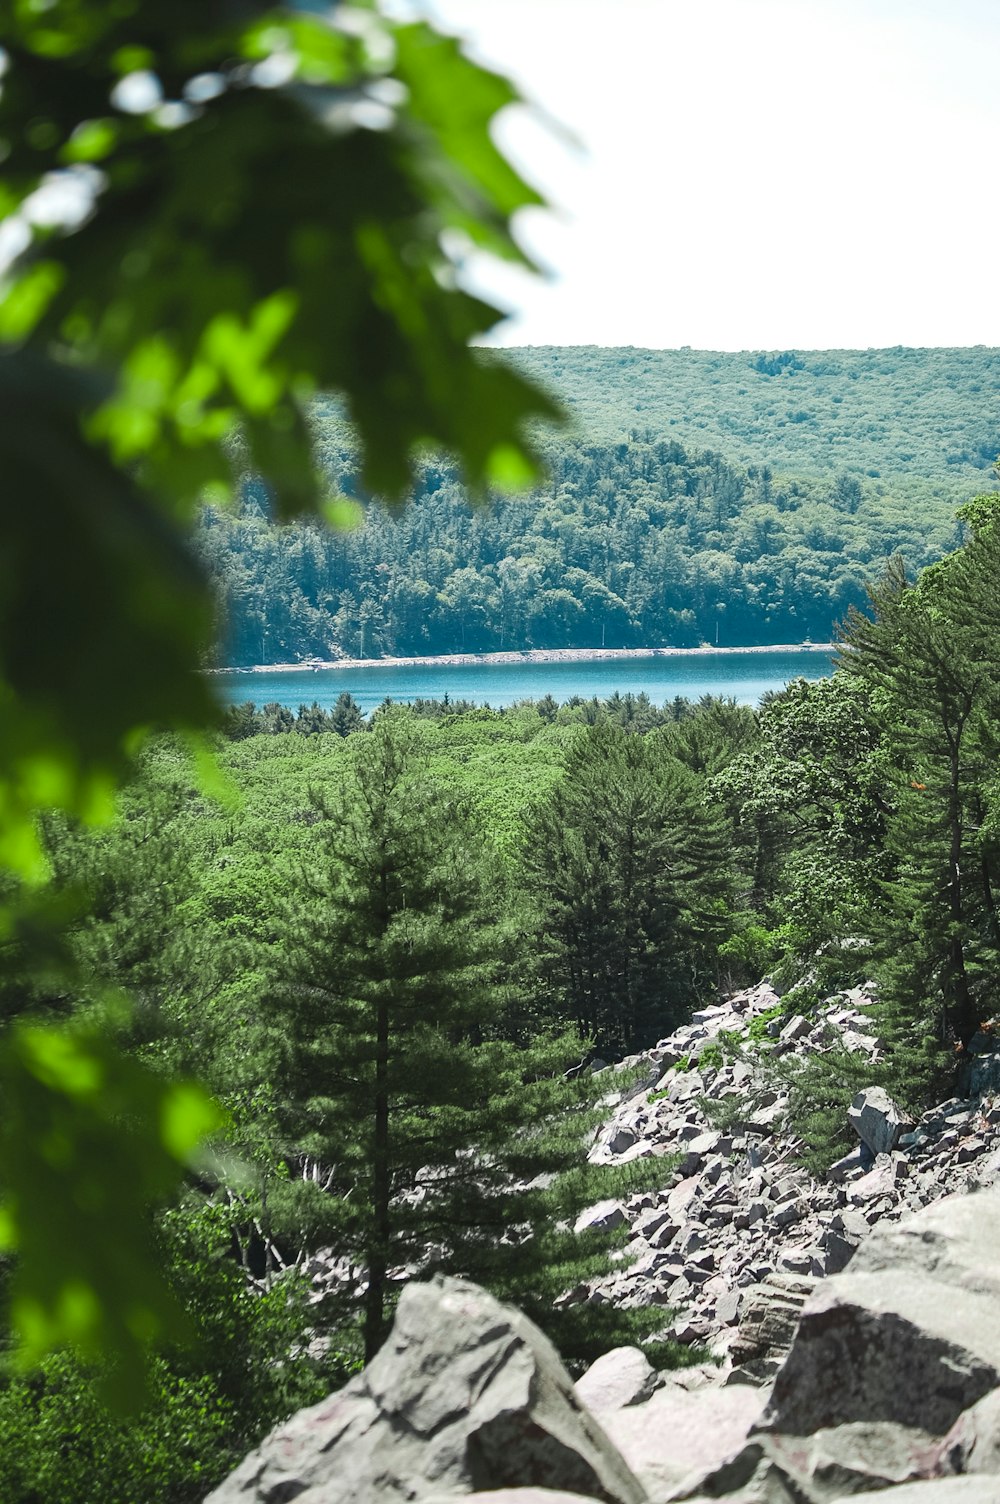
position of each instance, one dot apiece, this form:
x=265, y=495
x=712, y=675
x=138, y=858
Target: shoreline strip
x=529, y=655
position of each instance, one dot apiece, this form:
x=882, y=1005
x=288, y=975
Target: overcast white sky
x=753, y=173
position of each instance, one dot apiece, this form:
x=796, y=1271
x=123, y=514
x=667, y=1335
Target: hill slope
x=931, y=417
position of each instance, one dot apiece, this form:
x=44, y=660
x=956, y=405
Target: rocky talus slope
x=854, y=1323
x=738, y=1238
x=891, y=1389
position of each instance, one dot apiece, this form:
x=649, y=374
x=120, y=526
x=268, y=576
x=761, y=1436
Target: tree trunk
x=378, y=1254
x=961, y=1009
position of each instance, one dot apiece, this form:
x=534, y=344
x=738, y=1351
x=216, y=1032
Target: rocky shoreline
x=529, y=655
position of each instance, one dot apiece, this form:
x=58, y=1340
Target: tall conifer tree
x=402, y=1074
x=629, y=870
x=931, y=654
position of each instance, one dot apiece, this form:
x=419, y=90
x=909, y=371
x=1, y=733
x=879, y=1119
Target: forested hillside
x=924, y=417
x=640, y=536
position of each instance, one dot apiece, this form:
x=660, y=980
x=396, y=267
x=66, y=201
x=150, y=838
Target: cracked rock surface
x=854, y=1322
x=467, y=1394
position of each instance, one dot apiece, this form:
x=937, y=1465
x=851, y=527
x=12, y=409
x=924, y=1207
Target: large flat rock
x=679, y=1436
x=909, y=1333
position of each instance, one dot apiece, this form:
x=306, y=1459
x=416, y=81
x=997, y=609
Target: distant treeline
x=633, y=712
x=637, y=543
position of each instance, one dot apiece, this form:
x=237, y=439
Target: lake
x=743, y=676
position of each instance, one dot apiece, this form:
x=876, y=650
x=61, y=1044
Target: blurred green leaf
x=456, y=101
x=227, y=288
x=250, y=245
x=91, y=141
x=26, y=298
x=88, y=1141
x=103, y=613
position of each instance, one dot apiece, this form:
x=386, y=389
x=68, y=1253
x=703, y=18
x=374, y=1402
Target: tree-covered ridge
x=923, y=421
x=637, y=543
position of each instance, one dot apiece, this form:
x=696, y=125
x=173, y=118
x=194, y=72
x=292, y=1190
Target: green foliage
x=877, y=426
x=925, y=667
x=216, y=308
x=633, y=543
x=929, y=658
x=58, y=1443
x=809, y=802
x=757, y=1029
x=723, y=1113
x=247, y=238
x=84, y=534
x=88, y=1140
x=628, y=870
x=412, y=1070
x=749, y=953
x=204, y=1405
x=821, y=1089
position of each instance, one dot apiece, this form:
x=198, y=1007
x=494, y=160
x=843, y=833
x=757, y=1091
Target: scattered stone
x=838, y=1252
x=621, y=1139
x=727, y=1308
x=787, y=1212
x=877, y=1120
x=601, y=1217
x=733, y=1244
x=770, y=1317
x=621, y=1377
x=796, y=1261
x=911, y=1329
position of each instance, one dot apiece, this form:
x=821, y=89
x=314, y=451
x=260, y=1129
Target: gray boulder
x=621, y=1377
x=773, y=1469
x=909, y=1334
x=679, y=1436
x=466, y=1394
x=877, y=1120
x=973, y=1443
x=517, y=1496
x=938, y=1491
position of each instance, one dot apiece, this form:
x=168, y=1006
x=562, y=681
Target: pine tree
x=406, y=1075
x=346, y=716
x=629, y=872
x=929, y=659
x=930, y=653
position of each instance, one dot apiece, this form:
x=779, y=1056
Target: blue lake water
x=743, y=676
